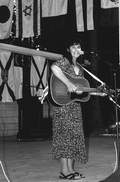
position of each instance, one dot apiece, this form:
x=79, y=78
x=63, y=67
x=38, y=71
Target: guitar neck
x=87, y=89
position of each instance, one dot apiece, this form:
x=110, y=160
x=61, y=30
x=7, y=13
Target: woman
x=68, y=135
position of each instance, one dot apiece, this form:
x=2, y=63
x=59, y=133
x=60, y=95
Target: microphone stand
x=117, y=145
x=117, y=121
x=103, y=85
x=116, y=173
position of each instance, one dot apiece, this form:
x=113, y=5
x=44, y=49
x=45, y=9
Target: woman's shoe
x=78, y=174
x=71, y=176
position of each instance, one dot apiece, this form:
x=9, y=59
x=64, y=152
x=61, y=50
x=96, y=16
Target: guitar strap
x=95, y=77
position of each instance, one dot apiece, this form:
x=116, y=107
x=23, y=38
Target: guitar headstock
x=108, y=90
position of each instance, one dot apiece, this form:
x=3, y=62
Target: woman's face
x=75, y=50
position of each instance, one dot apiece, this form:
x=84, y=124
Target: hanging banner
x=54, y=8
x=105, y=4
x=18, y=81
x=7, y=87
x=38, y=75
x=6, y=14
x=109, y=14
x=28, y=18
x=18, y=75
x=54, y=14
x=85, y=15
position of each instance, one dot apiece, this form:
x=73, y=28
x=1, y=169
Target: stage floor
x=31, y=161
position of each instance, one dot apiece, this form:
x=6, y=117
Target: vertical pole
x=117, y=126
x=26, y=77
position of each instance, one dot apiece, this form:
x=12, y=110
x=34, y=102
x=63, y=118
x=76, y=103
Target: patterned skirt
x=68, y=134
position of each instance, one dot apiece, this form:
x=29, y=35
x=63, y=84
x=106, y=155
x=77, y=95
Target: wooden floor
x=31, y=161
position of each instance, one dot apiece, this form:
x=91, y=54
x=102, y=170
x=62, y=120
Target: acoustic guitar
x=59, y=94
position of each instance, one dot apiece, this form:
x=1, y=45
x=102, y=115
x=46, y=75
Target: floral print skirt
x=68, y=134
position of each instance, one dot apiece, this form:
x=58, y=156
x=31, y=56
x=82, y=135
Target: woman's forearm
x=59, y=74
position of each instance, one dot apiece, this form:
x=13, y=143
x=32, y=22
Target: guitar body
x=59, y=92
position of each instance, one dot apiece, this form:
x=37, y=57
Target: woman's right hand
x=71, y=87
